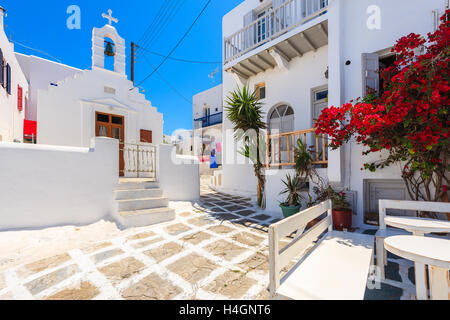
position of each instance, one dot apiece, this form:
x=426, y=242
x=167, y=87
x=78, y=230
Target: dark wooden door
x=112, y=126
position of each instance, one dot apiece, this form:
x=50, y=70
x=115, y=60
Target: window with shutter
x=2, y=69
x=8, y=79
x=19, y=98
x=249, y=34
x=146, y=136
x=370, y=72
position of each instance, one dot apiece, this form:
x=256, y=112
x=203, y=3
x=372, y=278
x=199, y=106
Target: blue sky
x=42, y=25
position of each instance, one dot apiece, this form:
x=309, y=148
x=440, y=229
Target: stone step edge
x=146, y=211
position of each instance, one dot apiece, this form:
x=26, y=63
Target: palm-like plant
x=245, y=113
x=293, y=188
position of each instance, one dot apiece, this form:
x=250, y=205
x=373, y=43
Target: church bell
x=109, y=51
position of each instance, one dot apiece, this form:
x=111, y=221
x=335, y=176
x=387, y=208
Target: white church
x=97, y=148
x=71, y=106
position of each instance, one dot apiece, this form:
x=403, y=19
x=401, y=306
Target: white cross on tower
x=110, y=17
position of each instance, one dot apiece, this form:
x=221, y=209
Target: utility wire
x=160, y=22
x=177, y=45
x=154, y=22
x=178, y=59
x=167, y=81
x=157, y=34
x=40, y=51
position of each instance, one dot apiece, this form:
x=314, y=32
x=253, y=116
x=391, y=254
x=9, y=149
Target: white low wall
x=274, y=185
x=178, y=176
x=44, y=186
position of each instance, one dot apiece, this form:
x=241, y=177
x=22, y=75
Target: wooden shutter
x=146, y=136
x=249, y=34
x=370, y=72
x=8, y=79
x=2, y=70
x=19, y=98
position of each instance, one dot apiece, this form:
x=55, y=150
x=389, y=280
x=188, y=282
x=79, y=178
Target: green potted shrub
x=293, y=187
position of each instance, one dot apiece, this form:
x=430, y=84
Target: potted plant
x=342, y=213
x=293, y=187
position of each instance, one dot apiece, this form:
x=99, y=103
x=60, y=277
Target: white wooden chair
x=336, y=267
x=384, y=232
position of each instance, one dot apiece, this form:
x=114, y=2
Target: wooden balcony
x=281, y=148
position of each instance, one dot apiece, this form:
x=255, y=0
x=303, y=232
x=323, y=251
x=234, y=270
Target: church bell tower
x=99, y=36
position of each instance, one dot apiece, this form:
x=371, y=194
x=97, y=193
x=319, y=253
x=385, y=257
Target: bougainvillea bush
x=409, y=119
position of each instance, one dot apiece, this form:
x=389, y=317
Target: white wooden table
x=427, y=251
x=419, y=227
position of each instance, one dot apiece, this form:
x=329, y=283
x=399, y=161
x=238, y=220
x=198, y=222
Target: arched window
x=281, y=119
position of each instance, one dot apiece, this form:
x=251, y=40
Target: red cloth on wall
x=19, y=98
x=30, y=127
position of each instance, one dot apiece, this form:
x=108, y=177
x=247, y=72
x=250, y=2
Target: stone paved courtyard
x=215, y=249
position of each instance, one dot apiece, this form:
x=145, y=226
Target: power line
x=155, y=20
x=160, y=22
x=178, y=59
x=40, y=51
x=167, y=81
x=178, y=44
x=156, y=35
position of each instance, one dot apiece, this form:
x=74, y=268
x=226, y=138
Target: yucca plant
x=293, y=188
x=244, y=110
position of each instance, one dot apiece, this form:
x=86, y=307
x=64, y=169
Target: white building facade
x=302, y=56
x=208, y=117
x=13, y=90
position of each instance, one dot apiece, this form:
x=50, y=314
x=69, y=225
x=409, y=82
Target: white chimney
x=2, y=14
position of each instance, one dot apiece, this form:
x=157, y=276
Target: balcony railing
x=289, y=15
x=209, y=120
x=281, y=148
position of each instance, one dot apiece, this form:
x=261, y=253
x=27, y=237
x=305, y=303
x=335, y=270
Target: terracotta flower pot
x=342, y=219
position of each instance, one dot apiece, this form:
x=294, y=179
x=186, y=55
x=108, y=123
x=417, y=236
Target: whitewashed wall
x=11, y=119
x=40, y=73
x=43, y=186
x=212, y=98
x=178, y=176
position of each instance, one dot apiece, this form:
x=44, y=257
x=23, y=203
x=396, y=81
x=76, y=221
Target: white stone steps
x=137, y=185
x=143, y=203
x=138, y=194
x=146, y=217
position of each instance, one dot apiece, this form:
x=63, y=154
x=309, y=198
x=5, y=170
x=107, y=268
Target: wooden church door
x=112, y=126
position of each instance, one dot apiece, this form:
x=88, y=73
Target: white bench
x=336, y=267
x=384, y=232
